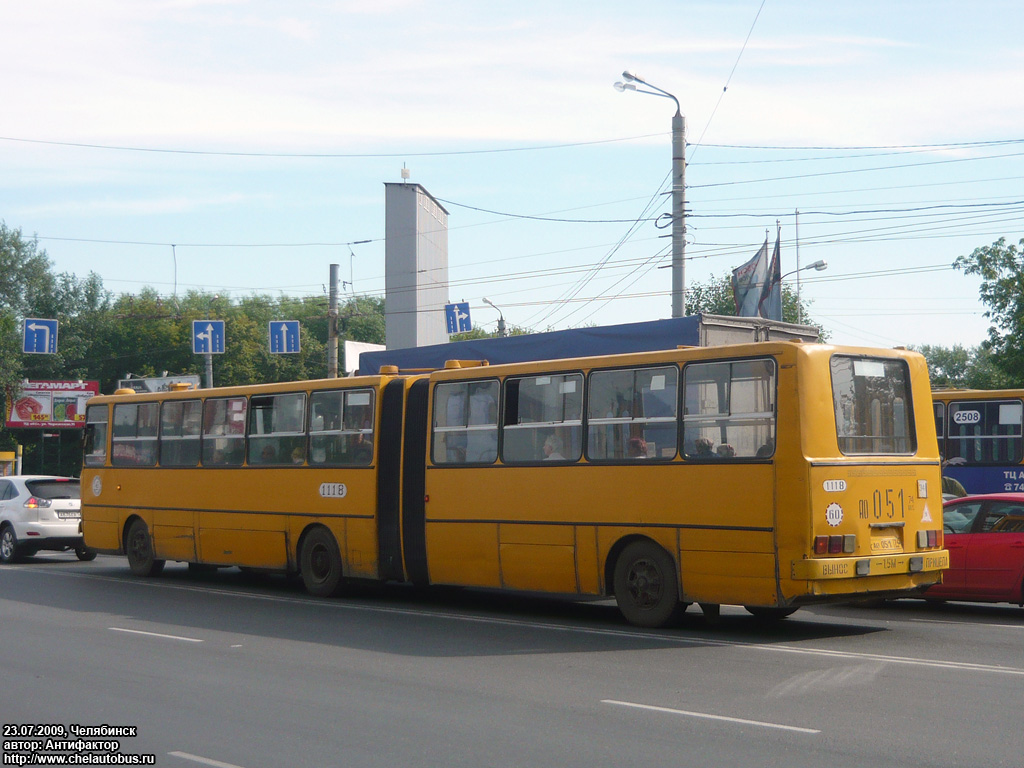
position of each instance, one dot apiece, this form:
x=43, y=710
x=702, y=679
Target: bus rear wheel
x=645, y=584
x=320, y=563
x=138, y=545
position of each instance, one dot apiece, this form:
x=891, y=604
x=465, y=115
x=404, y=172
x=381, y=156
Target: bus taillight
x=927, y=539
x=835, y=545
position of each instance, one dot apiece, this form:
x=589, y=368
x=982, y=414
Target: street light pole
x=678, y=188
x=818, y=266
x=501, y=319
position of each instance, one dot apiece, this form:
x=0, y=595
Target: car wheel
x=138, y=546
x=85, y=554
x=645, y=584
x=9, y=550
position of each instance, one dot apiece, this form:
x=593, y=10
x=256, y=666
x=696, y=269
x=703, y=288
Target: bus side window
x=465, y=429
x=276, y=434
x=135, y=434
x=180, y=422
x=729, y=410
x=224, y=432
x=631, y=414
x=96, y=436
x=543, y=418
x=341, y=428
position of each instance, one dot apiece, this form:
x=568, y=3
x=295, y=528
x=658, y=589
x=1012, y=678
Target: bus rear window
x=872, y=405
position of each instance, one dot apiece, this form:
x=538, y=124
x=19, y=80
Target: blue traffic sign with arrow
x=40, y=337
x=208, y=337
x=284, y=337
x=456, y=317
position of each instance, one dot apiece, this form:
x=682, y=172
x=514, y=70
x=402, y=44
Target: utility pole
x=332, y=326
x=678, y=212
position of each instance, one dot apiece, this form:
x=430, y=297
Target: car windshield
x=54, y=489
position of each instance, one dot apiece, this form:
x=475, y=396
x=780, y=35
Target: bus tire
x=138, y=545
x=646, y=586
x=320, y=563
x=769, y=614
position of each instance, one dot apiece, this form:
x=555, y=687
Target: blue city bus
x=980, y=439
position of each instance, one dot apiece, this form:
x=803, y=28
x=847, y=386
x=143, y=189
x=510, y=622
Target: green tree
x=1001, y=269
x=26, y=287
x=962, y=367
x=715, y=297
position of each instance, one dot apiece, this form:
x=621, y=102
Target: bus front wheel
x=320, y=563
x=138, y=546
x=645, y=583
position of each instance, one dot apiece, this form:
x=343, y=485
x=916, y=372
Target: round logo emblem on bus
x=97, y=485
x=833, y=514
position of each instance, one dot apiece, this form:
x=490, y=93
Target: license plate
x=886, y=544
x=67, y=514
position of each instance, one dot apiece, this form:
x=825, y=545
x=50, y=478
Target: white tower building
x=415, y=266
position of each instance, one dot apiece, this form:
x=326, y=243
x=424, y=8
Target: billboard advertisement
x=50, y=404
x=157, y=383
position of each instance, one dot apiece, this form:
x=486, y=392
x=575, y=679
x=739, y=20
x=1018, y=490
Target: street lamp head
x=623, y=87
x=629, y=76
x=819, y=265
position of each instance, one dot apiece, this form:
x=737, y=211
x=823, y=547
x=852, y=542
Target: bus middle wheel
x=320, y=563
x=645, y=584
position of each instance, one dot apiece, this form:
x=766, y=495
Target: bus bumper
x=880, y=565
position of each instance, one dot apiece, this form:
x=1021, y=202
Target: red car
x=985, y=538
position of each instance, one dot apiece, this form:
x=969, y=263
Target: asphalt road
x=225, y=669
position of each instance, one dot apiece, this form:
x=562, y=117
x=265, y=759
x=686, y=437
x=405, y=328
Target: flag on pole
x=748, y=282
x=770, y=305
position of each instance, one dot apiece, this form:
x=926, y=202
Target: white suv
x=40, y=512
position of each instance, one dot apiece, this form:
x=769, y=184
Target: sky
x=241, y=147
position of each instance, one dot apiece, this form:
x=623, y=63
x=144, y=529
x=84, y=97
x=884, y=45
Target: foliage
x=962, y=367
x=1001, y=268
x=715, y=297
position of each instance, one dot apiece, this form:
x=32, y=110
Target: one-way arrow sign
x=284, y=336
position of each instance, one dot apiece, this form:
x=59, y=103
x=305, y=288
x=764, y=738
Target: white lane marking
x=967, y=622
x=203, y=760
x=908, y=660
x=336, y=604
x=707, y=716
x=155, y=634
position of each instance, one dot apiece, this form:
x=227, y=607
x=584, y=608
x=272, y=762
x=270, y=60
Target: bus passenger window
x=729, y=410
x=96, y=436
x=180, y=422
x=276, y=428
x=134, y=438
x=224, y=432
x=341, y=428
x=539, y=408
x=465, y=429
x=631, y=414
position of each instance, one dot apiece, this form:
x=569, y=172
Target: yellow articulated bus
x=769, y=475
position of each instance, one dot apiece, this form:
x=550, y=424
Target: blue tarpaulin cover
x=554, y=345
